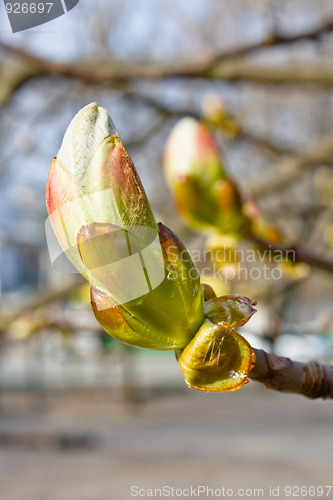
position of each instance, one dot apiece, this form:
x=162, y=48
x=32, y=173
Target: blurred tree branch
x=242, y=135
x=141, y=139
x=274, y=39
x=14, y=74
x=298, y=253
x=290, y=167
x=41, y=299
x=229, y=65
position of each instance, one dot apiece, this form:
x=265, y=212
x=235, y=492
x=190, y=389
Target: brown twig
x=313, y=380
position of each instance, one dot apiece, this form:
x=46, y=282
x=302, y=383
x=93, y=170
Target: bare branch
x=313, y=380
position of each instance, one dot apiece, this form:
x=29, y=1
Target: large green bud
x=145, y=289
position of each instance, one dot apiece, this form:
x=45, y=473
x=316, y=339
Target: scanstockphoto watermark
x=203, y=491
x=26, y=14
x=196, y=491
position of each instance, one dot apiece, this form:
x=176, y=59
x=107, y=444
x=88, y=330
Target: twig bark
x=313, y=380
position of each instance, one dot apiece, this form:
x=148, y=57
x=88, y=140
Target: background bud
x=205, y=197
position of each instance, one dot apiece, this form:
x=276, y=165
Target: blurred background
x=82, y=416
